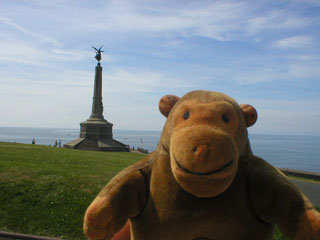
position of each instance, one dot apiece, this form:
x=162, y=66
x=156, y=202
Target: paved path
x=310, y=189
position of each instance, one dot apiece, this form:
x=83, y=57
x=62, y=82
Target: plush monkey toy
x=202, y=182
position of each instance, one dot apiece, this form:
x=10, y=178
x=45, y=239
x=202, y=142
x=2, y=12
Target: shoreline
x=287, y=171
x=299, y=173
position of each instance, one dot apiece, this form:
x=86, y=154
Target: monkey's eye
x=225, y=118
x=186, y=115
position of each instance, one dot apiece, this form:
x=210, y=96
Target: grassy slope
x=45, y=190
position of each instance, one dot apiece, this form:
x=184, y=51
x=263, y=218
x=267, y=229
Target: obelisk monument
x=96, y=132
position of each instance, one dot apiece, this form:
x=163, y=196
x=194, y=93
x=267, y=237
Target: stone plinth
x=109, y=145
x=96, y=135
x=96, y=130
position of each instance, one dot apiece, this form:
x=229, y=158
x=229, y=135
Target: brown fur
x=202, y=182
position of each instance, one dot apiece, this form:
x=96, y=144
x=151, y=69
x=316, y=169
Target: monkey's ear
x=166, y=103
x=249, y=113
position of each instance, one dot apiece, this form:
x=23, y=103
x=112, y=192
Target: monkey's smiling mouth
x=203, y=173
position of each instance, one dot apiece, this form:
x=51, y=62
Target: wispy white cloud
x=311, y=2
x=305, y=71
x=284, y=71
x=24, y=46
x=73, y=54
x=25, y=83
x=20, y=52
x=28, y=53
x=277, y=19
x=26, y=31
x=260, y=75
x=227, y=20
x=287, y=117
x=215, y=20
x=124, y=80
x=294, y=42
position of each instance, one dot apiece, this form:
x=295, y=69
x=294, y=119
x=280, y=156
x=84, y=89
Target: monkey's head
x=205, y=135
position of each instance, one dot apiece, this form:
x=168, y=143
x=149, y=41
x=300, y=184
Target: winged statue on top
x=98, y=53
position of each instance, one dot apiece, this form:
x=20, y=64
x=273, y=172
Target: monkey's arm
x=122, y=198
x=278, y=201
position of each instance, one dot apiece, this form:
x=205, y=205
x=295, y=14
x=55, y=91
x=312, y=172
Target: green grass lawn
x=45, y=191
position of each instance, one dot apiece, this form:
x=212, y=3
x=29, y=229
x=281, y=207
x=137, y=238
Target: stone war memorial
x=96, y=132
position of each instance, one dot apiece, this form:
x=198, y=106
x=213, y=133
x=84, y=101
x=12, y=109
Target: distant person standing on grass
x=56, y=143
x=60, y=143
x=33, y=141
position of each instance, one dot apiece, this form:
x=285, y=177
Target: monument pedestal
x=92, y=129
x=97, y=135
x=96, y=132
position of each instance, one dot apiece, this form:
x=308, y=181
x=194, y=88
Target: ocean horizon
x=284, y=151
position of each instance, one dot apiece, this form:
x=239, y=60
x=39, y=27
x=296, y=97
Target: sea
x=284, y=151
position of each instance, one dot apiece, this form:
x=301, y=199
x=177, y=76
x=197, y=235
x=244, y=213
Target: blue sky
x=264, y=53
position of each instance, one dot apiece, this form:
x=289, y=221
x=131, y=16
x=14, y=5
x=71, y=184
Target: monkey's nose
x=201, y=153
